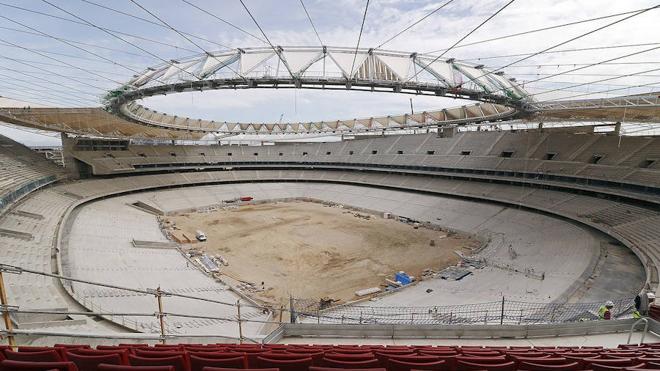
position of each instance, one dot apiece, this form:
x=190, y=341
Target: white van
x=200, y=236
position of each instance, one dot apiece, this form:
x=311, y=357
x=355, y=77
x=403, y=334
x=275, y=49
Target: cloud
x=73, y=70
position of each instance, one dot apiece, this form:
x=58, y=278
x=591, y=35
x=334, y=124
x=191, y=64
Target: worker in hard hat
x=642, y=302
x=605, y=311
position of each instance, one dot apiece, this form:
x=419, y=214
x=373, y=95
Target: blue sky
x=43, y=70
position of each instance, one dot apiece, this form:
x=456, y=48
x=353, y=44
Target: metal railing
x=491, y=313
x=160, y=314
x=501, y=312
x=634, y=325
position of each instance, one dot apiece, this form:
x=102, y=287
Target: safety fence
x=300, y=311
x=496, y=312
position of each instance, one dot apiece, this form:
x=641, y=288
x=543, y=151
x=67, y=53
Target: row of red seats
x=197, y=357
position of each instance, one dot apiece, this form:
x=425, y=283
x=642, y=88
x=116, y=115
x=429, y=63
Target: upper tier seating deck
x=619, y=160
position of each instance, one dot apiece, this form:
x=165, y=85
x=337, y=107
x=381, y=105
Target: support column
x=5, y=312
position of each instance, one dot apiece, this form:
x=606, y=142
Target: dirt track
x=310, y=250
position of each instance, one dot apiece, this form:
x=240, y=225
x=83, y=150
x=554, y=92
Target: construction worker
x=642, y=302
x=605, y=311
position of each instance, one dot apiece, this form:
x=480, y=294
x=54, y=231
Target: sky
x=50, y=54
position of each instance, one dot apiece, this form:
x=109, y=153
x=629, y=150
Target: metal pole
x=412, y=111
x=552, y=318
x=161, y=316
x=502, y=315
x=5, y=313
x=292, y=311
x=281, y=313
x=240, y=322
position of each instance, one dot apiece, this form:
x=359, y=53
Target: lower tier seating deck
x=561, y=250
x=640, y=238
x=23, y=170
x=319, y=357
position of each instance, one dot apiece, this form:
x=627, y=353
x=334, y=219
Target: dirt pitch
x=311, y=250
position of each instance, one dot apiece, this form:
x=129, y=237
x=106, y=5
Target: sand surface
x=310, y=250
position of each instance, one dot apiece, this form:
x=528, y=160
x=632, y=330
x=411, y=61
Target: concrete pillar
x=70, y=163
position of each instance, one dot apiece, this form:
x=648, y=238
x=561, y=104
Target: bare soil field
x=310, y=250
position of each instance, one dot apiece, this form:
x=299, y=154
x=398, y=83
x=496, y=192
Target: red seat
x=10, y=365
x=395, y=352
x=527, y=354
x=113, y=347
x=178, y=362
x=250, y=349
x=205, y=350
x=285, y=364
x=36, y=356
x=344, y=369
x=384, y=356
x=239, y=369
x=491, y=359
x=394, y=365
x=352, y=351
x=299, y=349
x=103, y=367
x=316, y=357
x=251, y=355
x=159, y=353
x=91, y=363
x=597, y=367
x=122, y=353
x=284, y=356
x=132, y=346
x=414, y=358
x=621, y=354
x=438, y=352
x=592, y=363
x=490, y=353
x=579, y=358
x=470, y=366
x=72, y=346
x=164, y=353
x=350, y=357
x=216, y=355
x=32, y=348
x=334, y=363
x=573, y=366
x=646, y=359
x=644, y=367
x=198, y=363
x=542, y=360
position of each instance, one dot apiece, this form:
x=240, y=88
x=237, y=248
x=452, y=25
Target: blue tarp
x=403, y=278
